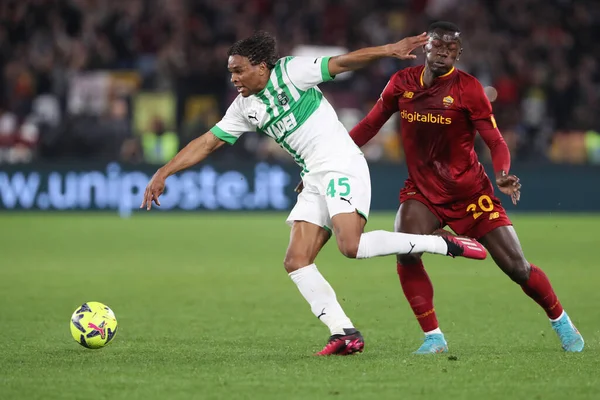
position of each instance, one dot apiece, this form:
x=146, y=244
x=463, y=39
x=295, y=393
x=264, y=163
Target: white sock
x=383, y=243
x=321, y=297
x=561, y=315
x=433, y=332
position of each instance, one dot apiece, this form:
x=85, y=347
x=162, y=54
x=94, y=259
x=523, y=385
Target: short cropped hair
x=443, y=25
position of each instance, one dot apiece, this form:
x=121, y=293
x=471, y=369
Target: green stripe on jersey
x=288, y=107
x=277, y=95
x=284, y=82
x=285, y=124
x=224, y=136
x=299, y=160
x=286, y=76
x=325, y=74
x=301, y=110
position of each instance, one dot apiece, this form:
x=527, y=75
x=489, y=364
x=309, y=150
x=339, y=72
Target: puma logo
x=253, y=116
x=322, y=313
x=100, y=329
x=347, y=200
x=412, y=246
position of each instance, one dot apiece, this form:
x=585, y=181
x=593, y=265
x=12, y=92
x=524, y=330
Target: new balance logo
x=322, y=313
x=347, y=200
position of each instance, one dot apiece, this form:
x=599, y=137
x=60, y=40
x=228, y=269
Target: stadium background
x=96, y=94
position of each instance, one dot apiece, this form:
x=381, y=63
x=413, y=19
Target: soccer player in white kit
x=280, y=98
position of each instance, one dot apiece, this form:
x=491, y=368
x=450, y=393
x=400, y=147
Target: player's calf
x=408, y=259
x=504, y=246
x=305, y=242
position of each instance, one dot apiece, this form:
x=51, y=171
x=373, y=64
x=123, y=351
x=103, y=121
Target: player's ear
x=459, y=53
x=262, y=68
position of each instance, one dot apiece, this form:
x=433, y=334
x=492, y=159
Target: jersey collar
x=439, y=77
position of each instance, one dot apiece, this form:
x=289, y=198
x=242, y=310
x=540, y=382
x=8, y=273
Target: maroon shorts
x=474, y=218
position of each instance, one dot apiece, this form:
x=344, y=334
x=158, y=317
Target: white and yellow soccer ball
x=93, y=325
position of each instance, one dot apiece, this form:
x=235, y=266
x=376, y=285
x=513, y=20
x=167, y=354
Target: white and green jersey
x=292, y=110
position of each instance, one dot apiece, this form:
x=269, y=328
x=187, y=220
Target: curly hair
x=260, y=47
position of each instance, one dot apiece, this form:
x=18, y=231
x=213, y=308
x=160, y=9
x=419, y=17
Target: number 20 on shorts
x=485, y=205
x=342, y=185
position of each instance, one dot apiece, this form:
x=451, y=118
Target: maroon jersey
x=438, y=128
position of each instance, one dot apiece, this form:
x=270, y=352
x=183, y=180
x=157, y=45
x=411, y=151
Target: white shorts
x=327, y=193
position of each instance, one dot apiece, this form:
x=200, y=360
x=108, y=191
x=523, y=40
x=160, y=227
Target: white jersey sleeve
x=233, y=124
x=307, y=72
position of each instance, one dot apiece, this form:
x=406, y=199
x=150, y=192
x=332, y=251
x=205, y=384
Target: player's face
x=247, y=78
x=441, y=53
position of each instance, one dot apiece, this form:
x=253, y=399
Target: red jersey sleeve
x=480, y=112
x=478, y=106
x=386, y=105
x=498, y=148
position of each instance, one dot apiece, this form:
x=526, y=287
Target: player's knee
x=518, y=269
x=408, y=259
x=521, y=272
x=348, y=246
x=349, y=250
x=293, y=262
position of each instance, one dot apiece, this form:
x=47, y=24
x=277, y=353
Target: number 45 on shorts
x=340, y=187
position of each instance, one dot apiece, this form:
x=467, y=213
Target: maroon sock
x=538, y=287
x=419, y=292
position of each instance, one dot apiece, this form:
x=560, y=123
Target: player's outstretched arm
x=361, y=58
x=196, y=151
x=386, y=105
x=370, y=125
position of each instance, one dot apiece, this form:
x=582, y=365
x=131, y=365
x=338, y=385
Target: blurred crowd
x=70, y=70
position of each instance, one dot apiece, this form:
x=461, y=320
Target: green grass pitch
x=206, y=311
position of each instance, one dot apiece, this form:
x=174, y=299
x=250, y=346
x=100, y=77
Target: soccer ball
x=93, y=325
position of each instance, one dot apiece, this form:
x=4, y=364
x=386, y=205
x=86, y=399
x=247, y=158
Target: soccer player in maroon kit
x=441, y=110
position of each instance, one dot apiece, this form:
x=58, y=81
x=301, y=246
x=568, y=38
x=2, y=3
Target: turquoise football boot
x=434, y=343
x=569, y=336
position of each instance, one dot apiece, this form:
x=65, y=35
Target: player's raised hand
x=155, y=188
x=509, y=185
x=403, y=48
